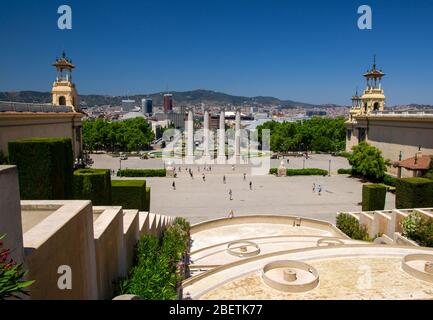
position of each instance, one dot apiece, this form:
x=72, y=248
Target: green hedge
x=373, y=197
x=45, y=167
x=147, y=205
x=301, y=172
x=390, y=180
x=414, y=193
x=130, y=194
x=351, y=227
x=94, y=185
x=154, y=275
x=307, y=172
x=141, y=173
x=344, y=171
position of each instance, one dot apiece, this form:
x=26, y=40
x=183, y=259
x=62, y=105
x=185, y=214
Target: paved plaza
x=200, y=200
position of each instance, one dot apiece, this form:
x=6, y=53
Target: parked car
x=123, y=157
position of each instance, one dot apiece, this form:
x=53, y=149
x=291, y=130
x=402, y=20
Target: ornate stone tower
x=64, y=92
x=356, y=105
x=373, y=98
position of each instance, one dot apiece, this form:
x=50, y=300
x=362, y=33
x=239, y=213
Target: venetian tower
x=64, y=92
x=373, y=98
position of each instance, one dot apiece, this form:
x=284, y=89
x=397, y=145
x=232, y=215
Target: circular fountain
x=243, y=248
x=419, y=266
x=290, y=276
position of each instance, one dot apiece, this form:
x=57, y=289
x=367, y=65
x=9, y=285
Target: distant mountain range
x=180, y=98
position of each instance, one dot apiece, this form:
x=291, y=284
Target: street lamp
x=329, y=171
x=120, y=164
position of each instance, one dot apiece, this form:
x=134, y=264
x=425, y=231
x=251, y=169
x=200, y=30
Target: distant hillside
x=180, y=98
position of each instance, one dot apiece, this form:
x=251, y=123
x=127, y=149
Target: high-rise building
x=147, y=106
x=168, y=102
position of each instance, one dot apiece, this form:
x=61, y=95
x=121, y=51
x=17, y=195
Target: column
x=206, y=134
x=190, y=137
x=222, y=138
x=238, y=135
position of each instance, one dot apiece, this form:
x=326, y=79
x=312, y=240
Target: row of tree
x=128, y=135
x=316, y=134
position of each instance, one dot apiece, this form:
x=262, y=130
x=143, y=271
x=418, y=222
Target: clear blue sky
x=308, y=51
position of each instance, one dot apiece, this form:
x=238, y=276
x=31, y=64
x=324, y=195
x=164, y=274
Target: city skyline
x=255, y=50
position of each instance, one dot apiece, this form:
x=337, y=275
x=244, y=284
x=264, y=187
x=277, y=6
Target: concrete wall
x=109, y=249
x=64, y=238
x=131, y=234
x=16, y=126
x=10, y=212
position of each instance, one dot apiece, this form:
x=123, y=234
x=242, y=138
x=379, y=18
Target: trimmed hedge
x=301, y=172
x=45, y=167
x=390, y=180
x=373, y=197
x=351, y=227
x=130, y=194
x=94, y=185
x=155, y=274
x=141, y=173
x=307, y=172
x=414, y=193
x=147, y=205
x=344, y=171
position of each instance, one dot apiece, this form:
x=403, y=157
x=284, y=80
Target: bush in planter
x=418, y=228
x=130, y=194
x=141, y=173
x=414, y=193
x=351, y=227
x=12, y=282
x=344, y=171
x=44, y=167
x=154, y=276
x=94, y=185
x=373, y=197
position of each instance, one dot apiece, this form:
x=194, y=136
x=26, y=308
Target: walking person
x=251, y=185
x=204, y=178
x=231, y=194
x=314, y=187
x=231, y=214
x=245, y=176
x=174, y=185
x=224, y=179
x=319, y=189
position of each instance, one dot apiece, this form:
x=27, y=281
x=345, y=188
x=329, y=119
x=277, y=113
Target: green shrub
x=344, y=171
x=307, y=172
x=147, y=204
x=273, y=171
x=45, y=167
x=130, y=194
x=94, y=185
x=390, y=180
x=141, y=173
x=12, y=275
x=351, y=227
x=343, y=154
x=373, y=197
x=414, y=193
x=367, y=161
x=154, y=275
x=418, y=228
